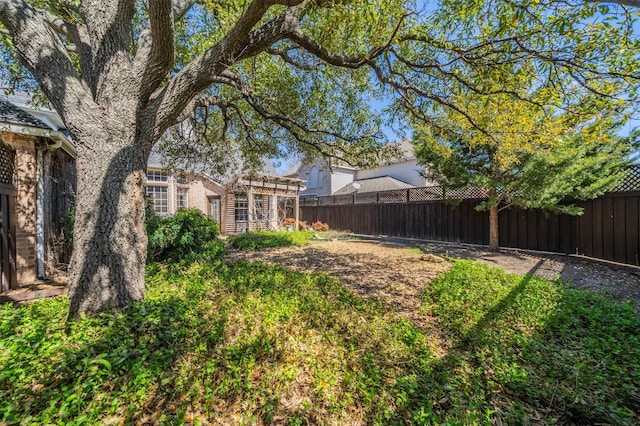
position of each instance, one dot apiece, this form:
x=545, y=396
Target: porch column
x=296, y=209
x=274, y=212
x=250, y=207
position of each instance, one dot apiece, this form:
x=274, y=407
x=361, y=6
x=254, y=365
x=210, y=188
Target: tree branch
x=632, y=3
x=240, y=43
x=284, y=55
x=42, y=52
x=296, y=35
x=156, y=48
x=110, y=46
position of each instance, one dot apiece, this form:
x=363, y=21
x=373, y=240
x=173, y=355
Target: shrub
x=187, y=235
x=264, y=239
x=319, y=226
x=302, y=225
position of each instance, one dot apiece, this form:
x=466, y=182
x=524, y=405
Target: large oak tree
x=121, y=72
x=266, y=76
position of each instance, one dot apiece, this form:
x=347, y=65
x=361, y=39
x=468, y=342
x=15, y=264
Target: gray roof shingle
x=11, y=114
x=378, y=184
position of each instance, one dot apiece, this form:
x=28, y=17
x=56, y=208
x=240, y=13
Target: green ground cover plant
x=257, y=240
x=536, y=350
x=250, y=343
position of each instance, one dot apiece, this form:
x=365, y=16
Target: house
x=246, y=201
x=172, y=189
x=336, y=178
x=37, y=187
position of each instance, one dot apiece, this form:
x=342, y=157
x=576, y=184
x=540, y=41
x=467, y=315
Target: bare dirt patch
x=392, y=273
x=395, y=270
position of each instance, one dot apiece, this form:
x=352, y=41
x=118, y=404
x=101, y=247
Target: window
x=241, y=207
x=158, y=197
x=183, y=199
x=156, y=176
x=182, y=179
x=258, y=207
x=314, y=179
x=214, y=209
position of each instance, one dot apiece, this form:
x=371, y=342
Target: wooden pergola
x=274, y=187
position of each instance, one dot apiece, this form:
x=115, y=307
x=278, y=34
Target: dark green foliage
x=578, y=167
x=251, y=343
x=572, y=352
x=185, y=236
x=265, y=239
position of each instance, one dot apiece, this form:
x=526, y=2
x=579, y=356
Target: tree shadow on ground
x=576, y=366
x=272, y=345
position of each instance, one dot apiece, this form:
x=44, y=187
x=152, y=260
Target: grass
x=250, y=343
x=264, y=239
x=531, y=349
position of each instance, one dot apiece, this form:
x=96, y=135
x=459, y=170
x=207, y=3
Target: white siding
x=406, y=171
x=340, y=178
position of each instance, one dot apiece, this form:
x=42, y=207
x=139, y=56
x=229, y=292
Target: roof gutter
x=61, y=141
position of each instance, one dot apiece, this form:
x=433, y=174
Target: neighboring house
x=337, y=179
x=37, y=187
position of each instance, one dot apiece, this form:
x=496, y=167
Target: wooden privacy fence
x=609, y=228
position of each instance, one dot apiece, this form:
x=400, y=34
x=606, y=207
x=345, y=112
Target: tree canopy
x=525, y=155
x=274, y=77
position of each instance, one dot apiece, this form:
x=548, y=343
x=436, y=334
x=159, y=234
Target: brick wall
x=25, y=205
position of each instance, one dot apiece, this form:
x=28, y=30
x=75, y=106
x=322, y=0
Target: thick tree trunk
x=110, y=242
x=494, y=237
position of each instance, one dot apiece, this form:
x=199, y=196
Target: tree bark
x=494, y=237
x=110, y=243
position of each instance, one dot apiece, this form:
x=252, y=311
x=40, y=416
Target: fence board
x=632, y=235
x=619, y=234
x=608, y=229
x=585, y=230
x=597, y=228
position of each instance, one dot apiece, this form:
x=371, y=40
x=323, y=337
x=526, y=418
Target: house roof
x=405, y=146
x=19, y=115
x=377, y=184
x=11, y=114
x=291, y=171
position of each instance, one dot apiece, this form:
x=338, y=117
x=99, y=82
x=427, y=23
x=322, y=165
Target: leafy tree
x=122, y=72
x=499, y=91
x=523, y=154
x=258, y=77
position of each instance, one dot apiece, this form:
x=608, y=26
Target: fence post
x=408, y=195
x=377, y=198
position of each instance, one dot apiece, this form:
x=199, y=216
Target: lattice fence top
x=7, y=164
x=631, y=181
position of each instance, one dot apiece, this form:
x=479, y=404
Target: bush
x=302, y=225
x=186, y=236
x=320, y=227
x=264, y=239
